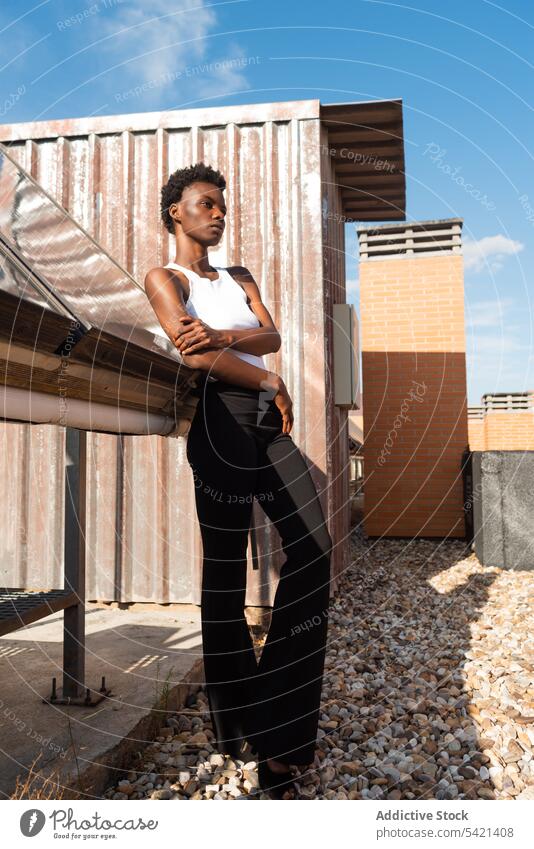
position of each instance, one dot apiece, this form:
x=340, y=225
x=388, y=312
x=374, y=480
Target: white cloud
x=170, y=49
x=144, y=33
x=220, y=76
x=488, y=253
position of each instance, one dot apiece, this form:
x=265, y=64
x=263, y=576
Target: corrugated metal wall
x=337, y=437
x=143, y=539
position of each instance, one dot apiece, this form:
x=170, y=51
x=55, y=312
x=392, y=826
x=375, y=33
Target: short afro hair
x=171, y=192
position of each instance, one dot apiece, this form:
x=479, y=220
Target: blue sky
x=461, y=68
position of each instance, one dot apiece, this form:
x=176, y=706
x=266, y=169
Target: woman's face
x=201, y=212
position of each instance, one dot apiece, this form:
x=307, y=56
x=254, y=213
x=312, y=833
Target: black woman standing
x=239, y=448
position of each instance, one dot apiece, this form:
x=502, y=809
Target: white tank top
x=222, y=304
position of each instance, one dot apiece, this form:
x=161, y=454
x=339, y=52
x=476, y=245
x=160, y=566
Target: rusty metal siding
x=107, y=172
x=31, y=527
x=337, y=440
x=32, y=468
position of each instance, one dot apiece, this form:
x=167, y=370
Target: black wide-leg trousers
x=237, y=453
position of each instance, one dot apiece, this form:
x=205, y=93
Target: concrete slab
x=503, y=508
x=151, y=660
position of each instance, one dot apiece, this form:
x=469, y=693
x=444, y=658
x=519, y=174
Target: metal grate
x=475, y=412
x=508, y=401
x=419, y=237
x=19, y=607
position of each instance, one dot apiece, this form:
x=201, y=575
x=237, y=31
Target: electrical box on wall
x=346, y=356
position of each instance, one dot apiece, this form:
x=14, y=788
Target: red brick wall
x=414, y=394
x=503, y=431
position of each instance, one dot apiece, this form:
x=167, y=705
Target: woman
x=239, y=448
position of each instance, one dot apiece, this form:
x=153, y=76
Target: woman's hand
x=284, y=403
x=196, y=335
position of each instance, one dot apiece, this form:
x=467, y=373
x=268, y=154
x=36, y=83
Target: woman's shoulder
x=165, y=272
x=239, y=271
x=242, y=277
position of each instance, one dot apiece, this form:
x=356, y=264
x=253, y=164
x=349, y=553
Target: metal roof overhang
x=366, y=137
x=366, y=143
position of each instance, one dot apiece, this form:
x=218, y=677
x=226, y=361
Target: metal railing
x=475, y=412
x=508, y=401
x=416, y=238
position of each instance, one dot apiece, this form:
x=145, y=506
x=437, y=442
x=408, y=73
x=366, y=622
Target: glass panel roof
x=66, y=269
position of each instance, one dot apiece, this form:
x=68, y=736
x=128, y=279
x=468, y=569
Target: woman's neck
x=193, y=257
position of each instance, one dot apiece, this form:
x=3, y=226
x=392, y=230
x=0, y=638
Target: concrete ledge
x=151, y=661
x=114, y=764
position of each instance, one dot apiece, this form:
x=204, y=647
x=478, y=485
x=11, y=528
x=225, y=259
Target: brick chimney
x=414, y=378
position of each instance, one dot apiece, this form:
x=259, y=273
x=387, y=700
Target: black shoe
x=275, y=783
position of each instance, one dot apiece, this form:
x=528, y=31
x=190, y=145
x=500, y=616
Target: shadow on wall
x=415, y=429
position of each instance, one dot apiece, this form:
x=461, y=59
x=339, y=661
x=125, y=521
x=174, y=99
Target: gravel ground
x=428, y=690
